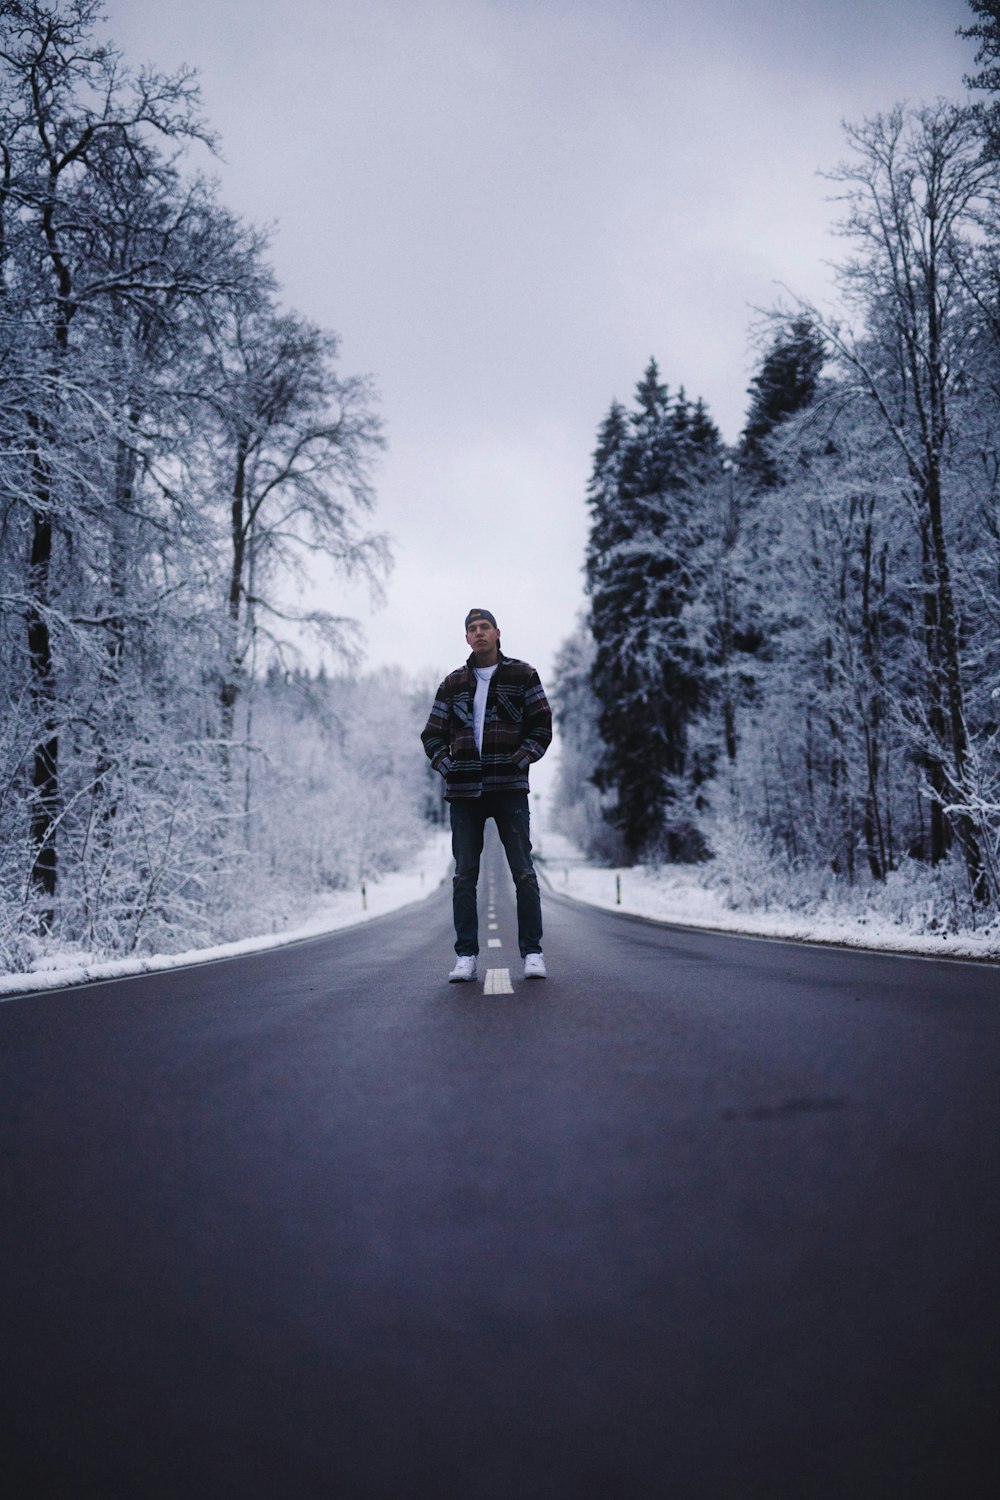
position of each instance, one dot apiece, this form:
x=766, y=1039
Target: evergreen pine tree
x=605, y=485
x=785, y=383
x=985, y=31
x=648, y=675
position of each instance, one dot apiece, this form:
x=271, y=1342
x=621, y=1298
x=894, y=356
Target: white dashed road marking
x=498, y=982
x=494, y=943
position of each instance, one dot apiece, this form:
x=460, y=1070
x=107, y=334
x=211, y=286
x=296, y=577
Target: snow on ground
x=679, y=893
x=335, y=910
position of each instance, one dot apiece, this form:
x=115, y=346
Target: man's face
x=483, y=638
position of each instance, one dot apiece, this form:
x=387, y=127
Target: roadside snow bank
x=680, y=893
x=337, y=909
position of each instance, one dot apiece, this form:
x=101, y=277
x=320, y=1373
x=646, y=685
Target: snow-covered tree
x=785, y=383
x=579, y=807
x=920, y=189
x=650, y=467
x=285, y=458
x=172, y=446
x=986, y=31
x=76, y=131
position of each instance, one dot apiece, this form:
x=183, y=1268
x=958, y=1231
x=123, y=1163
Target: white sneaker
x=534, y=966
x=465, y=968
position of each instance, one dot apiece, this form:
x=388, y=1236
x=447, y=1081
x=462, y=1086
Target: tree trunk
x=230, y=690
x=874, y=837
x=45, y=766
x=949, y=661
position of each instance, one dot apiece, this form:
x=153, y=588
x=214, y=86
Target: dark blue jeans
x=509, y=810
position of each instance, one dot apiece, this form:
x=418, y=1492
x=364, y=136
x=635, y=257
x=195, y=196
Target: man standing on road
x=489, y=721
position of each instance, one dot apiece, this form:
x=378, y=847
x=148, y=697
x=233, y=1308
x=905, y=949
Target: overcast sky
x=505, y=208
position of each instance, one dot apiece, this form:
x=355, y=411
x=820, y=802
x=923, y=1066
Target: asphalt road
x=697, y=1216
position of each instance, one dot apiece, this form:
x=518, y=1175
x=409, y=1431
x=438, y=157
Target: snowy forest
x=790, y=664
x=175, y=449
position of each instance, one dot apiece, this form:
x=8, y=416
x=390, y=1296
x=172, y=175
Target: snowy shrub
x=168, y=844
x=336, y=782
x=751, y=875
x=745, y=869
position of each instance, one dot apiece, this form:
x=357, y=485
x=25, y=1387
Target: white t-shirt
x=483, y=675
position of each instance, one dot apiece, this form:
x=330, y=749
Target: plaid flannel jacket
x=517, y=731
